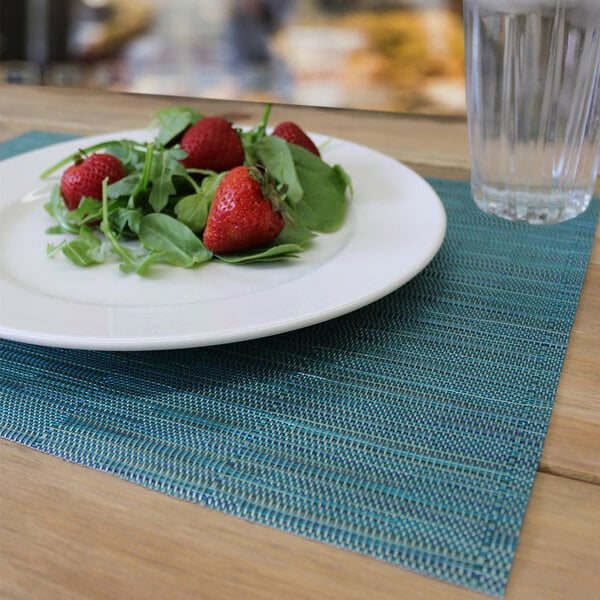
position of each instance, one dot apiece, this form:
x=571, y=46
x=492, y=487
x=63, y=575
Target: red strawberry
x=293, y=134
x=85, y=178
x=212, y=143
x=243, y=214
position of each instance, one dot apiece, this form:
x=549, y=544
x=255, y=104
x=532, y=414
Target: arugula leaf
x=176, y=242
x=88, y=211
x=127, y=218
x=124, y=187
x=56, y=208
x=192, y=210
x=165, y=166
x=173, y=121
x=130, y=153
x=130, y=259
x=140, y=264
x=84, y=251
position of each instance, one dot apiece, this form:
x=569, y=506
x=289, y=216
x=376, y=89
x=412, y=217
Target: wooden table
x=70, y=532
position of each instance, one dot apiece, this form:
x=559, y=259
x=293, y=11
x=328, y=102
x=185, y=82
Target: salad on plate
x=199, y=190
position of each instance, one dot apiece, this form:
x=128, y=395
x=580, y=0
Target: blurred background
x=395, y=55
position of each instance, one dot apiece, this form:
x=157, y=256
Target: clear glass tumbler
x=533, y=106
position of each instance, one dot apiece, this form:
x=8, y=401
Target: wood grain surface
x=71, y=532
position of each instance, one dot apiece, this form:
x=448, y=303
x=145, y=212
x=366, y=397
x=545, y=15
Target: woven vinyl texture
x=409, y=430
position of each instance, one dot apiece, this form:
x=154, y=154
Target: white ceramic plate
x=395, y=225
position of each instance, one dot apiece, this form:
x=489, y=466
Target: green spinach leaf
x=192, y=210
x=176, y=242
x=323, y=205
x=280, y=252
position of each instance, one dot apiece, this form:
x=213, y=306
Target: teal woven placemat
x=409, y=430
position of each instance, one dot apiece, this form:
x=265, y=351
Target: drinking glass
x=533, y=106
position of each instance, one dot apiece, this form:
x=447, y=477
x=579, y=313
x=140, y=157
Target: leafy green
x=126, y=220
x=128, y=151
x=165, y=166
x=174, y=121
x=264, y=255
x=88, y=211
x=251, y=136
x=56, y=208
x=126, y=186
x=276, y=155
x=85, y=250
x=158, y=211
x=176, y=242
x=295, y=233
x=323, y=206
x=315, y=190
x=193, y=209
x=131, y=260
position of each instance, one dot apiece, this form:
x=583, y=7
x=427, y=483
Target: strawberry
x=212, y=143
x=294, y=134
x=85, y=177
x=243, y=214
